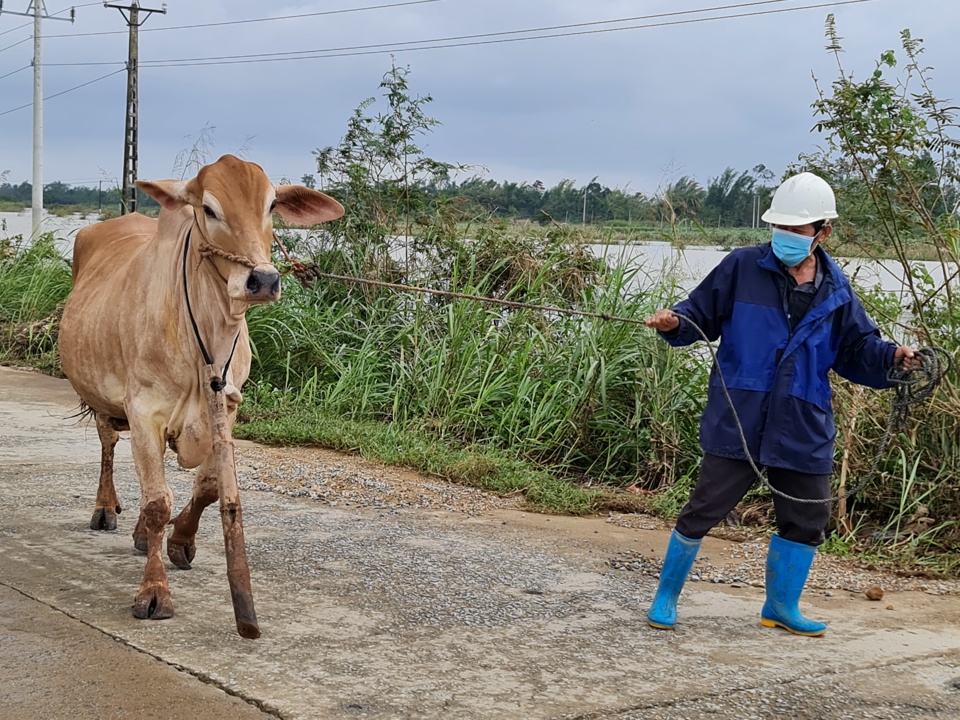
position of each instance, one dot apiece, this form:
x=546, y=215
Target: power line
x=255, y=20
x=482, y=38
x=18, y=27
x=487, y=42
x=59, y=12
x=505, y=32
x=391, y=47
x=64, y=92
x=21, y=42
x=14, y=72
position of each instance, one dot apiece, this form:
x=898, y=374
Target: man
x=785, y=315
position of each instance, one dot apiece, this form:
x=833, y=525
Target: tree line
x=58, y=194
x=730, y=199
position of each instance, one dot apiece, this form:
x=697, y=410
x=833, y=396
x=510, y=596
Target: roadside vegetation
x=551, y=387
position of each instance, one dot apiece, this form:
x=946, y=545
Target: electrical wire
x=59, y=12
x=375, y=49
x=18, y=27
x=64, y=92
x=391, y=47
x=547, y=28
x=20, y=42
x=484, y=42
x=14, y=72
x=251, y=20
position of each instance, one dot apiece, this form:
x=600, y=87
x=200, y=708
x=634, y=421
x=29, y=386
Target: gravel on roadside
x=743, y=561
x=342, y=480
x=346, y=481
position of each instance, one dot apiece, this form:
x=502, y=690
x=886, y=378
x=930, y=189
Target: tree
x=892, y=154
x=682, y=199
x=729, y=198
x=378, y=170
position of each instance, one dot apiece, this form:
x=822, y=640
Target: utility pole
x=128, y=200
x=38, y=11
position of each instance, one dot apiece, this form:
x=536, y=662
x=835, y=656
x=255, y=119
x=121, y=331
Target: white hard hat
x=800, y=200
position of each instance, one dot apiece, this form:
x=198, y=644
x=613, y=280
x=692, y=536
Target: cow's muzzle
x=263, y=285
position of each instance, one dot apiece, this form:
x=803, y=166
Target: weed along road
x=405, y=608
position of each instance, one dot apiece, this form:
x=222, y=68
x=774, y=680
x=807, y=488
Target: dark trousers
x=723, y=483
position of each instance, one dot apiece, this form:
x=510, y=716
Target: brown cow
x=154, y=340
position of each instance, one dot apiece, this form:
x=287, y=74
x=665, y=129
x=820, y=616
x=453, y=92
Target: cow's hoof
x=181, y=554
x=140, y=542
x=103, y=519
x=153, y=605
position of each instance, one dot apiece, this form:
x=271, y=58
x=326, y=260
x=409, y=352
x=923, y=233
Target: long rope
x=913, y=386
x=307, y=273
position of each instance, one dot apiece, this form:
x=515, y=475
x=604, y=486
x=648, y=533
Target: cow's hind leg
x=108, y=505
x=181, y=545
x=153, y=599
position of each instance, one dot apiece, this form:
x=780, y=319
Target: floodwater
x=655, y=260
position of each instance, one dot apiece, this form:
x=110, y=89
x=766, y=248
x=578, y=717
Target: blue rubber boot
x=681, y=552
x=788, y=564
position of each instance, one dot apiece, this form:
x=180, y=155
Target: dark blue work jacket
x=778, y=379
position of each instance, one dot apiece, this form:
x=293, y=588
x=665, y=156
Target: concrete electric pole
x=131, y=14
x=38, y=12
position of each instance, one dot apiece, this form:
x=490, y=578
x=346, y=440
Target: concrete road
x=386, y=613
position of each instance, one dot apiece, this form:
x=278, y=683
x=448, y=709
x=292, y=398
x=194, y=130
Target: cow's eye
x=208, y=211
x=273, y=206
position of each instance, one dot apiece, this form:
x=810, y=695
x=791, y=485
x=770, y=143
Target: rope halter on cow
x=218, y=383
x=206, y=250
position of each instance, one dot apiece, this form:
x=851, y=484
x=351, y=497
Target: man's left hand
x=906, y=358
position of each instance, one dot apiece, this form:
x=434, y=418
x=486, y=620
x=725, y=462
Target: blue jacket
x=778, y=379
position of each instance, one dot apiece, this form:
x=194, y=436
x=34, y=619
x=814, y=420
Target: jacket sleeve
x=708, y=305
x=864, y=357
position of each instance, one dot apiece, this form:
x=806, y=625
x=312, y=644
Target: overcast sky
x=636, y=107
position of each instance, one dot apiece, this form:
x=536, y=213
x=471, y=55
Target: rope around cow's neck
x=912, y=387
x=217, y=384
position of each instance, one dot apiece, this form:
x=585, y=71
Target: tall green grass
x=593, y=400
x=34, y=281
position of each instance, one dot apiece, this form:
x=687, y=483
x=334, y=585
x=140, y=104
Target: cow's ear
x=303, y=206
x=171, y=194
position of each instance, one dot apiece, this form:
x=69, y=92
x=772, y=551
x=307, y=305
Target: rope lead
x=912, y=386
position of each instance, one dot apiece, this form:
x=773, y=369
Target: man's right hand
x=663, y=320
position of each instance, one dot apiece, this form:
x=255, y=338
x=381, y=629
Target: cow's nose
x=263, y=284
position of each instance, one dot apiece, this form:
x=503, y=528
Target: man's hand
x=664, y=321
x=905, y=357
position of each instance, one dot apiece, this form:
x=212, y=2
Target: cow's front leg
x=140, y=535
x=107, y=506
x=153, y=599
x=181, y=545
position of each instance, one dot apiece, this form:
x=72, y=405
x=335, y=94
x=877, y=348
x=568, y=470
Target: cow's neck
x=218, y=318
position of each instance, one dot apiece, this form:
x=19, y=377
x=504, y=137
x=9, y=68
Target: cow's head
x=234, y=202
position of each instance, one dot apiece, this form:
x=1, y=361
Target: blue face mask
x=791, y=248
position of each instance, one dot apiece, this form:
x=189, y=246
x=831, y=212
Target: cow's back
x=106, y=248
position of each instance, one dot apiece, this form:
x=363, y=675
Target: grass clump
x=34, y=282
